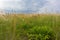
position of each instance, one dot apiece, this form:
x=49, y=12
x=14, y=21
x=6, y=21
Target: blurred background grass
x=15, y=26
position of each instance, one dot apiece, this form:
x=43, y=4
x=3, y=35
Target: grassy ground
x=11, y=26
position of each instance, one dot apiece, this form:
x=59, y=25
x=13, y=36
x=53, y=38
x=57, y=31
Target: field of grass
x=26, y=26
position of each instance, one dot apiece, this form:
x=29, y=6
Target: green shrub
x=41, y=33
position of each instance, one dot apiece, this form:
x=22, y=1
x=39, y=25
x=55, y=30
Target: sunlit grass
x=12, y=26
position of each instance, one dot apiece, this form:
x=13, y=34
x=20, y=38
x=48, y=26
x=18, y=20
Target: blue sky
x=33, y=5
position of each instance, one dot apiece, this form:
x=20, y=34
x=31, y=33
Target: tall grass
x=16, y=26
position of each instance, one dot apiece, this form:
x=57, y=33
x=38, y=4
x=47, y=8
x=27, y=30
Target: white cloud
x=14, y=4
x=1, y=4
x=51, y=6
x=10, y=0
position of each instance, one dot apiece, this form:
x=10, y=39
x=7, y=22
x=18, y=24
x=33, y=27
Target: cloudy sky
x=32, y=5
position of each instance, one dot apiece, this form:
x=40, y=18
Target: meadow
x=30, y=27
